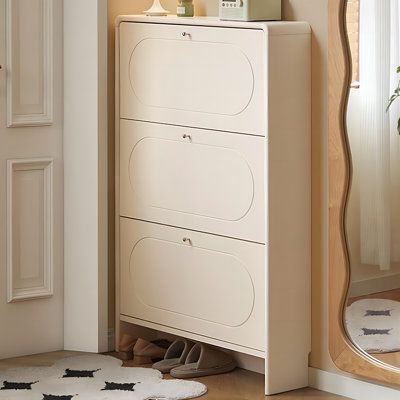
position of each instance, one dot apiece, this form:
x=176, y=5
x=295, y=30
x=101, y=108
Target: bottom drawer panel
x=205, y=284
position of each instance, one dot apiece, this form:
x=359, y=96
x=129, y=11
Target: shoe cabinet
x=213, y=185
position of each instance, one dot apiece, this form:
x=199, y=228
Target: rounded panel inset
x=212, y=78
x=197, y=179
x=196, y=282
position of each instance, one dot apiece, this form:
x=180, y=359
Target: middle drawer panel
x=193, y=178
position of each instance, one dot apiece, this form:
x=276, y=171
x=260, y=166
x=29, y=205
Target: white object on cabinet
x=213, y=185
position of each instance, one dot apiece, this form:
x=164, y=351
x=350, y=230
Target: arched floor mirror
x=364, y=187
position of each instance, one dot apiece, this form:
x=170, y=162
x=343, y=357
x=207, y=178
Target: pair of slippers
x=184, y=359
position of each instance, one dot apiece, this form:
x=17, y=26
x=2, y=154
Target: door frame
x=85, y=176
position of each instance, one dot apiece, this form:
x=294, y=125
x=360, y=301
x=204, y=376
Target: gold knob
x=187, y=240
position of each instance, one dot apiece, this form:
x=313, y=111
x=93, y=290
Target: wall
x=316, y=13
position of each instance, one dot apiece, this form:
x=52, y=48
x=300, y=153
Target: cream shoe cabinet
x=213, y=185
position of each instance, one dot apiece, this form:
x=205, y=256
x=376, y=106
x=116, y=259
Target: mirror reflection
x=372, y=315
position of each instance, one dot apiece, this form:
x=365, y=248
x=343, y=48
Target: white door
x=31, y=177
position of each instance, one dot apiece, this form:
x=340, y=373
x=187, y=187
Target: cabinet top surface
x=270, y=27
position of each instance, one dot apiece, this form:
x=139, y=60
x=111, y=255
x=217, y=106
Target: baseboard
x=375, y=285
x=349, y=387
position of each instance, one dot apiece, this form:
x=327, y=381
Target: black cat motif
x=17, y=385
x=127, y=387
x=368, y=332
x=72, y=373
x=378, y=313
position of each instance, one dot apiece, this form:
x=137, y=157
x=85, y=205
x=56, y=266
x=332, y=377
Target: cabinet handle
x=187, y=240
x=185, y=136
x=186, y=34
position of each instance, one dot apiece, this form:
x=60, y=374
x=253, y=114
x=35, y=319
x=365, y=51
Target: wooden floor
x=388, y=358
x=237, y=385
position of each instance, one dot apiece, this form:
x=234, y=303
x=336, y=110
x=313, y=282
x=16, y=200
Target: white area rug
x=374, y=325
x=93, y=377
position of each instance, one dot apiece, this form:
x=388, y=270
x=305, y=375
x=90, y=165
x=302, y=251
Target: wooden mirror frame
x=344, y=353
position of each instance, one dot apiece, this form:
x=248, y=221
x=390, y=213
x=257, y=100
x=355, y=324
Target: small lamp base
x=156, y=10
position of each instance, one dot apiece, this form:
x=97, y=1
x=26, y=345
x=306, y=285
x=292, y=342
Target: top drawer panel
x=194, y=76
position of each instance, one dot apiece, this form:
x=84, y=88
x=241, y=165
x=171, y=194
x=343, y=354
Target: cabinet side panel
x=289, y=186
x=117, y=184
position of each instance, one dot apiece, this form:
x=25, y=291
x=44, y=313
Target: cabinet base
x=193, y=336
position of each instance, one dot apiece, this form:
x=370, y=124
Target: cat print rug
x=93, y=377
x=374, y=325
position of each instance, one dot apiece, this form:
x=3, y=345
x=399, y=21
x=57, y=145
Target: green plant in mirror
x=393, y=97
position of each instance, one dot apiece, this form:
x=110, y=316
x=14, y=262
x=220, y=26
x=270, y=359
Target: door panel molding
x=29, y=62
x=29, y=229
